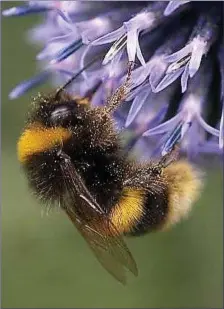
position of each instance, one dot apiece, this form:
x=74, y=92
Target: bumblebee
x=73, y=157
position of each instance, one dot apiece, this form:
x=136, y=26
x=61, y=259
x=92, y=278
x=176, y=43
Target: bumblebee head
x=49, y=124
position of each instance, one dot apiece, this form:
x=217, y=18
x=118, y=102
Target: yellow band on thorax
x=36, y=139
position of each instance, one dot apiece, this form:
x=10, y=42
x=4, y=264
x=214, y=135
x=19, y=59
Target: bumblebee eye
x=61, y=114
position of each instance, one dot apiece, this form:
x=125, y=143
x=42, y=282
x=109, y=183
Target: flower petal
x=184, y=78
x=49, y=50
x=26, y=85
x=64, y=18
x=207, y=127
x=65, y=72
x=133, y=93
x=167, y=80
x=109, y=37
x=173, y=138
x=172, y=6
x=164, y=127
x=157, y=72
x=136, y=106
x=210, y=147
x=24, y=10
x=67, y=51
x=195, y=61
x=116, y=47
x=221, y=131
x=193, y=139
x=180, y=54
x=132, y=38
x=140, y=55
x=59, y=38
x=140, y=74
x=158, y=117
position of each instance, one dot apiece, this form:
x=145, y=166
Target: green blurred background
x=46, y=264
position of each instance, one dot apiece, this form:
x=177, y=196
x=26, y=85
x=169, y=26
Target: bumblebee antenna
x=76, y=75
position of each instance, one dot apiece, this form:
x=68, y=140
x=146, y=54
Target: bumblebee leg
x=120, y=94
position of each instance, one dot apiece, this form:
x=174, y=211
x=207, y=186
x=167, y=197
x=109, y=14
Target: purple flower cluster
x=177, y=86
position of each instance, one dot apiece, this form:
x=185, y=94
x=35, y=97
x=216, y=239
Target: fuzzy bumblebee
x=72, y=156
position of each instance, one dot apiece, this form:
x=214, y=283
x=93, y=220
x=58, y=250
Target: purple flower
x=128, y=34
x=186, y=125
x=177, y=86
x=186, y=61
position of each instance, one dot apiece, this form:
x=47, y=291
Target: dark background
x=46, y=264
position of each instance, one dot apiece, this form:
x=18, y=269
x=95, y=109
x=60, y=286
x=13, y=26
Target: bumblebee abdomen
x=184, y=187
x=127, y=212
x=154, y=214
x=163, y=201
x=139, y=211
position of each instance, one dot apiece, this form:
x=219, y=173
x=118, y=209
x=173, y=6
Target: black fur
x=95, y=151
x=45, y=177
x=155, y=211
x=148, y=178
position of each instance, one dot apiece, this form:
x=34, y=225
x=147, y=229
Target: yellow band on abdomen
x=128, y=211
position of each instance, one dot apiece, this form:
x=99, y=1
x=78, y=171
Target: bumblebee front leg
x=121, y=93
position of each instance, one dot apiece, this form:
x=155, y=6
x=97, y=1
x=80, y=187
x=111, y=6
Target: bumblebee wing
x=95, y=226
x=107, y=250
